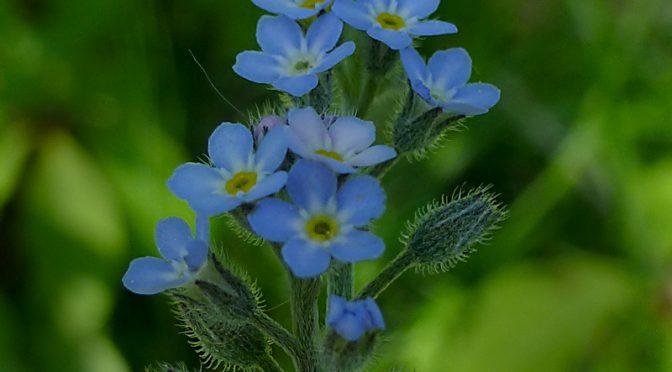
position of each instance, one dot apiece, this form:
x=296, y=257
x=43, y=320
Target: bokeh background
x=100, y=101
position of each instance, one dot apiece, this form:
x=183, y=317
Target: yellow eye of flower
x=390, y=21
x=330, y=154
x=311, y=4
x=243, y=181
x=322, y=228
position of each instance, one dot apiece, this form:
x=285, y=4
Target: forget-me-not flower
x=351, y=319
x=322, y=222
x=290, y=60
x=239, y=175
x=294, y=9
x=443, y=82
x=393, y=22
x=341, y=143
x=183, y=256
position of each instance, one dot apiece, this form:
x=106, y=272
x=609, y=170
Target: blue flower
x=290, y=60
x=294, y=9
x=238, y=176
x=352, y=319
x=444, y=82
x=183, y=256
x=322, y=222
x=341, y=143
x=394, y=22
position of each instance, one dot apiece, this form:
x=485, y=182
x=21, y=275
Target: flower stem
x=368, y=94
x=270, y=365
x=341, y=278
x=394, y=269
x=305, y=321
x=277, y=333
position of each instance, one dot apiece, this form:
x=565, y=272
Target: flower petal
x=257, y=67
x=305, y=259
x=352, y=13
x=418, y=8
x=432, y=28
x=358, y=246
x=297, y=86
x=450, y=68
x=350, y=327
x=372, y=156
x=279, y=35
x=201, y=186
x=151, y=275
x=414, y=65
x=286, y=7
x=324, y=33
x=311, y=185
x=197, y=254
x=336, y=309
x=172, y=236
x=393, y=39
x=344, y=51
x=377, y=321
x=360, y=200
x=473, y=99
x=274, y=220
x=230, y=147
x=308, y=129
x=203, y=227
x=334, y=165
x=267, y=186
x=272, y=150
x=350, y=134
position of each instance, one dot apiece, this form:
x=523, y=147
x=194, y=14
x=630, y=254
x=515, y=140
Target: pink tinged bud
x=266, y=124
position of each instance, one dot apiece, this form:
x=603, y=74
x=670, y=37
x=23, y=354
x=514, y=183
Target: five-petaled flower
x=290, y=60
x=394, y=22
x=443, y=82
x=342, y=143
x=238, y=176
x=351, y=319
x=183, y=257
x=322, y=221
x=294, y=9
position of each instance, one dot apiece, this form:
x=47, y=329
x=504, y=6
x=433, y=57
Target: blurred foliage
x=100, y=100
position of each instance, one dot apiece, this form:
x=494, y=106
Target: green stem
x=277, y=333
x=305, y=321
x=368, y=94
x=341, y=276
x=270, y=365
x=394, y=269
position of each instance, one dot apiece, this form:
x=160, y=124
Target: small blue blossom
x=393, y=22
x=443, y=82
x=341, y=143
x=322, y=222
x=294, y=9
x=290, y=60
x=238, y=175
x=183, y=257
x=352, y=319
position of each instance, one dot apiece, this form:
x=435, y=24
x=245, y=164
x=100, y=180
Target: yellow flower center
x=322, y=228
x=390, y=21
x=243, y=181
x=330, y=154
x=311, y=4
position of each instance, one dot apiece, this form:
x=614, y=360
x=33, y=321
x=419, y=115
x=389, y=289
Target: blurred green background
x=100, y=101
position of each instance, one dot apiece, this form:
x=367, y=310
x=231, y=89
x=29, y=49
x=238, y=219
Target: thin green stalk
x=277, y=333
x=341, y=279
x=368, y=94
x=305, y=321
x=270, y=365
x=394, y=269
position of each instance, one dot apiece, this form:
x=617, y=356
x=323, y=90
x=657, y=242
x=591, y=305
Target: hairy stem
x=270, y=365
x=394, y=269
x=277, y=333
x=305, y=321
x=341, y=277
x=368, y=94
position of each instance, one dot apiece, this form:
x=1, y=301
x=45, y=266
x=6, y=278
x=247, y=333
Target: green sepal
x=342, y=355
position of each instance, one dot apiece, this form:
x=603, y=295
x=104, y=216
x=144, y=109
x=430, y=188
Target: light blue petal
x=268, y=186
x=201, y=186
x=393, y=39
x=350, y=327
x=274, y=220
x=297, y=86
x=305, y=259
x=450, y=68
x=336, y=309
x=334, y=165
x=308, y=132
x=197, y=254
x=432, y=28
x=151, y=275
x=272, y=150
x=324, y=33
x=473, y=99
x=171, y=236
x=278, y=35
x=230, y=146
x=272, y=6
x=344, y=51
x=423, y=91
x=361, y=200
x=418, y=8
x=372, y=156
x=350, y=134
x=352, y=13
x=311, y=185
x=358, y=246
x=377, y=321
x=203, y=227
x=414, y=65
x=257, y=67
x=286, y=7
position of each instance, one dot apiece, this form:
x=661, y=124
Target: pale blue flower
x=238, y=175
x=443, y=82
x=294, y=9
x=321, y=222
x=351, y=319
x=183, y=257
x=343, y=143
x=291, y=60
x=393, y=22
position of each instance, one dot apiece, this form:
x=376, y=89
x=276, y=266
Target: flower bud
x=415, y=135
x=265, y=125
